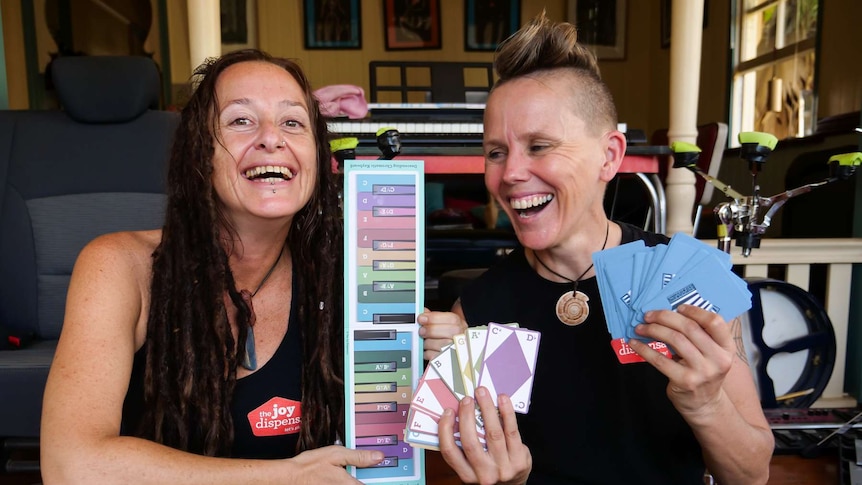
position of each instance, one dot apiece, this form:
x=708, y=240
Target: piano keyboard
x=369, y=128
x=418, y=123
x=407, y=128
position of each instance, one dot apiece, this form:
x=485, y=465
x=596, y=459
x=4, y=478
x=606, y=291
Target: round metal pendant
x=572, y=308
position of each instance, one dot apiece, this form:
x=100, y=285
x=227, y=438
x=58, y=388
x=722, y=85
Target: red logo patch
x=278, y=416
x=627, y=355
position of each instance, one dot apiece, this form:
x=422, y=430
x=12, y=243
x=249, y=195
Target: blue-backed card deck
x=682, y=254
x=706, y=288
x=634, y=279
x=617, y=266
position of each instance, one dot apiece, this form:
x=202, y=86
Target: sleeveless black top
x=591, y=419
x=265, y=408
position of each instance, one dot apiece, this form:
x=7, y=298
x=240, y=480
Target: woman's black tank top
x=265, y=408
x=591, y=419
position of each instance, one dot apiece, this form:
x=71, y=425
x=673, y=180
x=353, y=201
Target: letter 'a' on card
x=509, y=364
x=476, y=337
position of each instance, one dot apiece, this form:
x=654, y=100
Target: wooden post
x=685, y=50
x=204, y=30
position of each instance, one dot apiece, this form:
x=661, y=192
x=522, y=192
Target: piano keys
x=412, y=133
x=420, y=124
x=426, y=125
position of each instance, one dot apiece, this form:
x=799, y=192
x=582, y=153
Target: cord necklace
x=572, y=307
x=250, y=359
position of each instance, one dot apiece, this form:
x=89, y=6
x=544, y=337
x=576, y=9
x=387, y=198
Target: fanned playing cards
x=500, y=357
x=634, y=278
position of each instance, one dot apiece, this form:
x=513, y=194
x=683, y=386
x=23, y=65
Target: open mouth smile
x=527, y=206
x=268, y=174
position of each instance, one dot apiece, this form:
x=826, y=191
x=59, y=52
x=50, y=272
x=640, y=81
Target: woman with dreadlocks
x=191, y=353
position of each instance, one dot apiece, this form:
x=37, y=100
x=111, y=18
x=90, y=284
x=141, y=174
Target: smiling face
x=265, y=160
x=544, y=165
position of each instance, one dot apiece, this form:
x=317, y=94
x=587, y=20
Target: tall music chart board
x=384, y=254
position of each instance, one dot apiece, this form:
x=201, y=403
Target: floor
x=20, y=478
x=795, y=470
x=785, y=470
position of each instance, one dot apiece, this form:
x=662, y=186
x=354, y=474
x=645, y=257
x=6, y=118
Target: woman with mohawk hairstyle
x=192, y=353
x=551, y=146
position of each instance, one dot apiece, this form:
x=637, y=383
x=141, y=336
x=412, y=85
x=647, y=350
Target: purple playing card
x=510, y=363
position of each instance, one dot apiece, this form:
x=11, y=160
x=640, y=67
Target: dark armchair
x=66, y=177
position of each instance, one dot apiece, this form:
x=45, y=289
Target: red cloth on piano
x=342, y=100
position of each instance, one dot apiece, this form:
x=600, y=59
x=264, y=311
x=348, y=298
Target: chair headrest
x=106, y=89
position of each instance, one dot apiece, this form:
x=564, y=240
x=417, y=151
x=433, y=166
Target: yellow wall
x=98, y=34
x=642, y=104
x=178, y=33
x=13, y=40
x=639, y=82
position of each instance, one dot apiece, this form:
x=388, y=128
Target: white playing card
x=509, y=364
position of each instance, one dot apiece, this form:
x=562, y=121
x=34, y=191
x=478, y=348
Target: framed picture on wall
x=238, y=26
x=411, y=24
x=332, y=24
x=601, y=26
x=489, y=22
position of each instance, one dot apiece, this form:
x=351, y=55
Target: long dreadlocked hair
x=191, y=355
x=544, y=47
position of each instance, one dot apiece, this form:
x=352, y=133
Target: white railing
x=797, y=255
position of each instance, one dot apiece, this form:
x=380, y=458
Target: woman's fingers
x=490, y=449
x=450, y=450
x=438, y=329
x=440, y=325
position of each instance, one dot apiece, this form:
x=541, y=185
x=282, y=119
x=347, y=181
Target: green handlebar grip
x=684, y=147
x=685, y=155
x=384, y=130
x=345, y=143
x=765, y=139
x=755, y=147
x=853, y=159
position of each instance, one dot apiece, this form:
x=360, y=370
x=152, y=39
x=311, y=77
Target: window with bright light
x=773, y=76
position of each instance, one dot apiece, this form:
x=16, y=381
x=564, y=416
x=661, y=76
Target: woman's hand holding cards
x=704, y=352
x=474, y=366
x=438, y=329
x=505, y=461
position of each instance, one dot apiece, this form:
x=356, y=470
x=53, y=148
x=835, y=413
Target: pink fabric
x=342, y=100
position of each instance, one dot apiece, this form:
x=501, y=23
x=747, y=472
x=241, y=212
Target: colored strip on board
x=384, y=252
